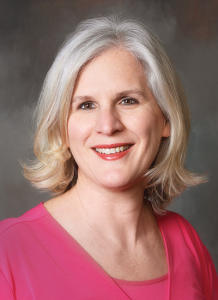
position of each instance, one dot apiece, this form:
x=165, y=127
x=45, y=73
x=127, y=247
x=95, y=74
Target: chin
x=116, y=183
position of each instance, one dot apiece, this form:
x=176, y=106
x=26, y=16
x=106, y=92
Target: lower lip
x=113, y=156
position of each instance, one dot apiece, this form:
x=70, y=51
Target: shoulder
x=183, y=240
x=171, y=216
x=12, y=225
x=187, y=250
x=175, y=223
x=181, y=236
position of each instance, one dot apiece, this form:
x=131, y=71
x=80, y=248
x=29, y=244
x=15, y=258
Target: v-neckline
x=93, y=262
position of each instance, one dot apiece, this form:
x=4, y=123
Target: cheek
x=150, y=130
x=144, y=125
x=78, y=132
x=73, y=131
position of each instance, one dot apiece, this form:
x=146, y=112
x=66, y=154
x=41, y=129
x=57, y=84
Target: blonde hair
x=55, y=169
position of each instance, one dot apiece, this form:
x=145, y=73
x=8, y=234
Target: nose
x=108, y=121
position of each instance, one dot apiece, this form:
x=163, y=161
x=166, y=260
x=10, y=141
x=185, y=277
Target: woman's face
x=115, y=126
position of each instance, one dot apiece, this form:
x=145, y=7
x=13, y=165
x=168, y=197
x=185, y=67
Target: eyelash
x=131, y=100
x=82, y=105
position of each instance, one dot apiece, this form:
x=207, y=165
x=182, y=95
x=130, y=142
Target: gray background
x=30, y=35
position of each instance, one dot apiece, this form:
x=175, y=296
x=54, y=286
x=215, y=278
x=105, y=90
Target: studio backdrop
x=31, y=33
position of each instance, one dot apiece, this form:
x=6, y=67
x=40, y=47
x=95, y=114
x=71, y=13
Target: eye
x=129, y=101
x=86, y=105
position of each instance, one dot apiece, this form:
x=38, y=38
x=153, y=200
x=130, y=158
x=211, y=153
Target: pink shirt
x=40, y=260
x=153, y=289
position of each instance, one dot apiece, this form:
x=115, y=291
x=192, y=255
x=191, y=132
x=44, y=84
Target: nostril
x=108, y=122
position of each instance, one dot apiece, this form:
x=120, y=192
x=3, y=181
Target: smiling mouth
x=112, y=150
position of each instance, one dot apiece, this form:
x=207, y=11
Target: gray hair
x=55, y=168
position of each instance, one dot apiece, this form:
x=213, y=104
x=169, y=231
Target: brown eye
x=86, y=105
x=129, y=101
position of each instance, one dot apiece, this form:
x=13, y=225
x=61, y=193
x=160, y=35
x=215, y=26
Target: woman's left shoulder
x=185, y=245
x=180, y=233
x=178, y=229
x=175, y=222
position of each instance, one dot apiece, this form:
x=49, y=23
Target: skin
x=104, y=211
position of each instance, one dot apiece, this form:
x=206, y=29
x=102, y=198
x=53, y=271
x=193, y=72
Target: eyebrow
x=118, y=95
x=124, y=93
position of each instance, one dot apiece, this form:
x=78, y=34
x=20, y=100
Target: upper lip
x=109, y=146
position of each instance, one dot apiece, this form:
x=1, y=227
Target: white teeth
x=107, y=151
x=112, y=150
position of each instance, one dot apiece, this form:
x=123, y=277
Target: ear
x=167, y=129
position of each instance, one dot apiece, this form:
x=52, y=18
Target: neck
x=120, y=215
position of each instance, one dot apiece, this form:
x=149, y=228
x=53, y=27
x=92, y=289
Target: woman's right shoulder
x=12, y=226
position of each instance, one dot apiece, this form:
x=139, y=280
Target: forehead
x=119, y=54
x=115, y=68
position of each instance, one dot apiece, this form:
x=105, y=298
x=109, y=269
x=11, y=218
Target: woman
x=112, y=130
